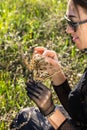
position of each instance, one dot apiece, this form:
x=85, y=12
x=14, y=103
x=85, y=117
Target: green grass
x=25, y=24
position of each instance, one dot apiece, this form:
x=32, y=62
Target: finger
x=33, y=97
x=43, y=87
x=30, y=82
x=34, y=89
x=50, y=53
x=39, y=50
x=51, y=61
x=33, y=92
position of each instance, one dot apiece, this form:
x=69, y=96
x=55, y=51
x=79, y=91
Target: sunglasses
x=72, y=24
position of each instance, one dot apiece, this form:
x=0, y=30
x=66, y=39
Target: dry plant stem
x=42, y=70
x=56, y=75
x=58, y=78
x=57, y=72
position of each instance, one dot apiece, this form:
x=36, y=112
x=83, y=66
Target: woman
x=74, y=102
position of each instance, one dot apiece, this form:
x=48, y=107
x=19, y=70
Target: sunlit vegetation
x=25, y=24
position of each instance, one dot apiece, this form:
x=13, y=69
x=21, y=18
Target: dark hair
x=82, y=3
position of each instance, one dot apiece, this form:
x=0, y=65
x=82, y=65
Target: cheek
x=82, y=34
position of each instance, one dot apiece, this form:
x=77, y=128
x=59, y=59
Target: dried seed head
x=37, y=64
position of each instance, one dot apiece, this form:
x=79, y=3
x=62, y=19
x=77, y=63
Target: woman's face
x=80, y=35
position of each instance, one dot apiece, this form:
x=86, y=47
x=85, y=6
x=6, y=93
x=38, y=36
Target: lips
x=75, y=38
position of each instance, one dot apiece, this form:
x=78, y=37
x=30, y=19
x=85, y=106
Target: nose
x=69, y=30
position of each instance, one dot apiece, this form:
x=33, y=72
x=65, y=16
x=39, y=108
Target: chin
x=79, y=46
x=82, y=48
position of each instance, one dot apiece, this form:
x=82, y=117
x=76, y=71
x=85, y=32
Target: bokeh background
x=25, y=24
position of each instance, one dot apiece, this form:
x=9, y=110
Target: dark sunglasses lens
x=71, y=24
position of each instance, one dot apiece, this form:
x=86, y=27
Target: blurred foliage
x=25, y=24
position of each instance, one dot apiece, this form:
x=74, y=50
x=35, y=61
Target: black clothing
x=62, y=92
x=30, y=119
x=74, y=102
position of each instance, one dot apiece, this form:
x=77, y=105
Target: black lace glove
x=41, y=95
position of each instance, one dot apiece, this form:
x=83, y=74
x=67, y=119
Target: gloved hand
x=41, y=95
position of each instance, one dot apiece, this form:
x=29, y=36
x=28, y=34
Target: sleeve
x=77, y=101
x=69, y=125
x=62, y=92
